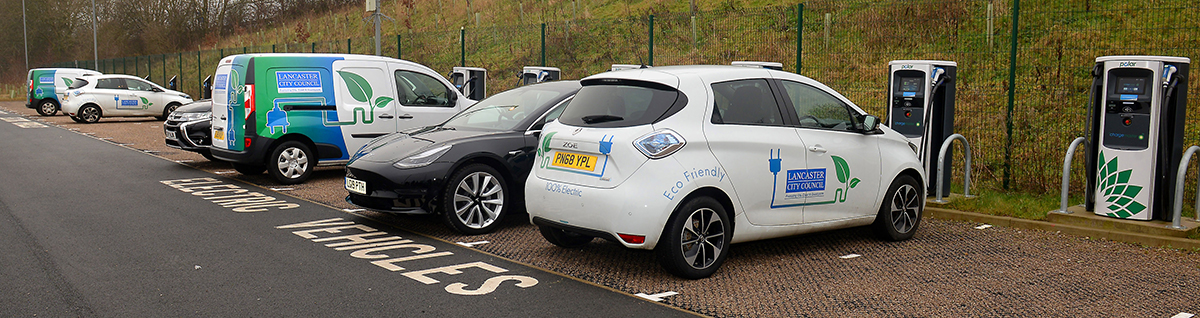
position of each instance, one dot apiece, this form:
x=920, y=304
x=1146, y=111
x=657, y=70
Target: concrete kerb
x=1143, y=239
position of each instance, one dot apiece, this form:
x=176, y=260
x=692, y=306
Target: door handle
x=405, y=116
x=386, y=116
x=817, y=149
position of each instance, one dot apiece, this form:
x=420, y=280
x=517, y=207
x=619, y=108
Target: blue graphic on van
x=277, y=118
x=805, y=180
x=38, y=92
x=298, y=82
x=221, y=81
x=46, y=80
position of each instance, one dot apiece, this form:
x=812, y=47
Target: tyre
x=47, y=107
x=475, y=200
x=76, y=119
x=563, y=238
x=291, y=162
x=167, y=111
x=89, y=114
x=249, y=170
x=696, y=240
x=901, y=211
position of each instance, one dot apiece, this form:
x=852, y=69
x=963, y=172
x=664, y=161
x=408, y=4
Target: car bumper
x=392, y=190
x=190, y=136
x=636, y=207
x=253, y=155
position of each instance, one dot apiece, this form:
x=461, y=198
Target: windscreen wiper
x=596, y=119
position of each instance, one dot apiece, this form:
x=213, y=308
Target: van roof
x=347, y=57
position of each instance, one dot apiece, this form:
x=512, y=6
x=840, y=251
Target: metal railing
x=1183, y=164
x=966, y=168
x=1066, y=175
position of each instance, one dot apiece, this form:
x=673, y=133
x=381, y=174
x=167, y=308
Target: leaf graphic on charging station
x=359, y=89
x=1118, y=193
x=382, y=101
x=842, y=168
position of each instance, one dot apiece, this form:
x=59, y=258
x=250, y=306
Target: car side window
x=745, y=102
x=136, y=85
x=416, y=89
x=111, y=83
x=817, y=109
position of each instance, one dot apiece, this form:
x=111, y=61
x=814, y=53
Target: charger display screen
x=1131, y=85
x=910, y=84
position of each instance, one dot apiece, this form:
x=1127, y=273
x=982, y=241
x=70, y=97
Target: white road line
x=472, y=244
x=849, y=256
x=658, y=296
x=1183, y=315
x=981, y=227
x=183, y=161
x=282, y=189
x=224, y=172
x=354, y=210
x=29, y=124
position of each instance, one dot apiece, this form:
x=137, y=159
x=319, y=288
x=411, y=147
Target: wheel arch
x=485, y=159
x=712, y=192
x=290, y=137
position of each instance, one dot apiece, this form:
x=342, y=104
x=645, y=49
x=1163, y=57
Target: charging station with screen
x=920, y=104
x=471, y=81
x=1135, y=132
x=538, y=74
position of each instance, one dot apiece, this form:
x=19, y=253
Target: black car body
x=431, y=169
x=188, y=127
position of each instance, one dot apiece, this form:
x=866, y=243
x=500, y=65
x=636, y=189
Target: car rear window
x=79, y=82
x=607, y=103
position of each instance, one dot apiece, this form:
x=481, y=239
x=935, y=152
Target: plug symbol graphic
x=277, y=118
x=606, y=146
x=776, y=161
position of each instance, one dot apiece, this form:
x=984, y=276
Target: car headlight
x=195, y=116
x=422, y=159
x=660, y=144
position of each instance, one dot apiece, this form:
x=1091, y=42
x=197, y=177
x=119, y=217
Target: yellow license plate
x=219, y=135
x=575, y=161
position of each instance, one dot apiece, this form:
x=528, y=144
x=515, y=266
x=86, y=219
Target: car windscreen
x=506, y=110
x=79, y=82
x=621, y=103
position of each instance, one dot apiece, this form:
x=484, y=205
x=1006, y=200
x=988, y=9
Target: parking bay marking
x=366, y=245
x=657, y=297
x=22, y=122
x=228, y=195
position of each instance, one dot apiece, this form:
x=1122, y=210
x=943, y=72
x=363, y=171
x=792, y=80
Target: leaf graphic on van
x=842, y=168
x=382, y=101
x=68, y=81
x=359, y=89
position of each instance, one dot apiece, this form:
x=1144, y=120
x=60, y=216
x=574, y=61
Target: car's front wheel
x=475, y=200
x=900, y=214
x=696, y=240
x=291, y=162
x=90, y=114
x=48, y=107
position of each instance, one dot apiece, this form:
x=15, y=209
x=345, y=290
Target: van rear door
x=228, y=115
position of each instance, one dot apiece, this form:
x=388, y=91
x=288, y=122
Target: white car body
x=628, y=195
x=123, y=96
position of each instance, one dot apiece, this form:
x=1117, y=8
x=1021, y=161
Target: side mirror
x=870, y=123
x=156, y=89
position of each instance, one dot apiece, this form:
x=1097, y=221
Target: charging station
x=618, y=67
x=1135, y=129
x=767, y=65
x=471, y=81
x=538, y=74
x=920, y=103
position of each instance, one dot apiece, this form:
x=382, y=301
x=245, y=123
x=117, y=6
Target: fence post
x=651, y=49
x=314, y=48
x=543, y=43
x=180, y=60
x=799, y=36
x=462, y=46
x=272, y=48
x=1012, y=87
x=348, y=50
x=398, y=50
x=136, y=73
x=199, y=73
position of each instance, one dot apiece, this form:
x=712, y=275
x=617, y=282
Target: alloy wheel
x=703, y=238
x=478, y=200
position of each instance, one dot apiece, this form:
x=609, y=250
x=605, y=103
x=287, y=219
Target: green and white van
x=47, y=87
x=287, y=113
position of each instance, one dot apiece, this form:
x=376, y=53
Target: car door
x=763, y=156
x=423, y=99
x=366, y=105
x=108, y=94
x=836, y=148
x=149, y=102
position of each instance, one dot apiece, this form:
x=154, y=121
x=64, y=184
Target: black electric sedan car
x=471, y=169
x=187, y=128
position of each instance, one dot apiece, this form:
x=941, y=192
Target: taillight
x=249, y=102
x=247, y=143
x=632, y=239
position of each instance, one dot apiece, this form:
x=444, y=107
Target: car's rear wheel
x=696, y=240
x=291, y=162
x=90, y=114
x=900, y=214
x=475, y=200
x=249, y=170
x=48, y=107
x=563, y=238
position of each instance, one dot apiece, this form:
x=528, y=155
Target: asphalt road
x=91, y=228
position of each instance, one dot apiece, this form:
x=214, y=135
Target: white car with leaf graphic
x=686, y=160
x=93, y=97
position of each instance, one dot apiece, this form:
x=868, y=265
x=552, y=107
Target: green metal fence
x=1018, y=142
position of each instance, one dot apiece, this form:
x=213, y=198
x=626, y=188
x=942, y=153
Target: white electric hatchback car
x=91, y=98
x=686, y=160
